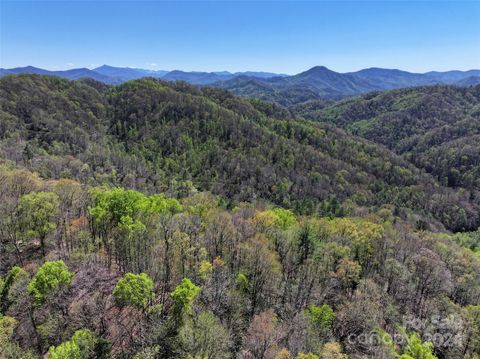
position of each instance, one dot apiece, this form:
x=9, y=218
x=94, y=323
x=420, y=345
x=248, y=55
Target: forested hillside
x=97, y=272
x=436, y=128
x=162, y=220
x=155, y=136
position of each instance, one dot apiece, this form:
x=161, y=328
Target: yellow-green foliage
x=321, y=317
x=183, y=296
x=36, y=215
x=7, y=325
x=284, y=218
x=134, y=289
x=332, y=350
x=114, y=206
x=6, y=283
x=307, y=356
x=205, y=269
x=277, y=217
x=80, y=346
x=361, y=233
x=50, y=277
x=416, y=349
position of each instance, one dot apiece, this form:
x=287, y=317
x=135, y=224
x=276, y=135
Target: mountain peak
x=318, y=69
x=104, y=67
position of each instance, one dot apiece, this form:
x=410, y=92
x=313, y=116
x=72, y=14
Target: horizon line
x=92, y=68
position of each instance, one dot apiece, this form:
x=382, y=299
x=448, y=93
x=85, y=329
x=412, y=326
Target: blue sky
x=278, y=36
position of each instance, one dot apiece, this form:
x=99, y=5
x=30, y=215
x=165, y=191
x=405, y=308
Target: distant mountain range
x=322, y=83
x=315, y=83
x=115, y=75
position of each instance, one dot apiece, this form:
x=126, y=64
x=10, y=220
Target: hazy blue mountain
x=450, y=77
x=469, y=81
x=27, y=70
x=76, y=74
x=222, y=73
x=73, y=74
x=260, y=74
x=331, y=83
x=318, y=82
x=392, y=78
x=208, y=78
x=114, y=75
x=128, y=73
x=5, y=72
x=196, y=77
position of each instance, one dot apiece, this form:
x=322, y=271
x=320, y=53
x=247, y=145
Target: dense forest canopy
x=156, y=136
x=162, y=220
x=123, y=274
x=436, y=128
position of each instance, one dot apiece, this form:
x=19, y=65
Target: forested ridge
x=162, y=220
x=317, y=82
x=156, y=136
x=436, y=128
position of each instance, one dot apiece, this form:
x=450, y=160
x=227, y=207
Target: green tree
x=8, y=348
x=183, y=297
x=50, y=277
x=161, y=204
x=134, y=289
x=36, y=213
x=305, y=243
x=205, y=337
x=321, y=317
x=84, y=344
x=111, y=206
x=416, y=349
x=285, y=218
x=120, y=219
x=7, y=324
x=363, y=236
x=12, y=274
